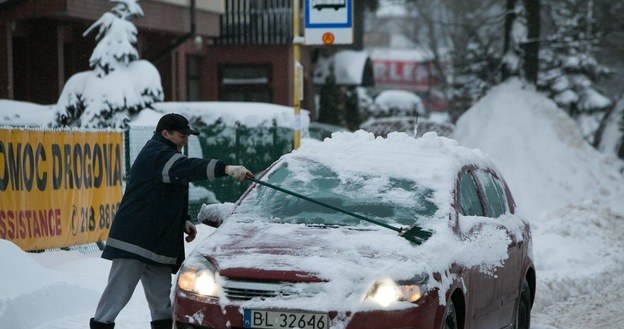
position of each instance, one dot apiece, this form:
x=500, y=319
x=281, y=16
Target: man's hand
x=190, y=230
x=238, y=172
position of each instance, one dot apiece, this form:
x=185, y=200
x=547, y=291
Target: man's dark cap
x=174, y=121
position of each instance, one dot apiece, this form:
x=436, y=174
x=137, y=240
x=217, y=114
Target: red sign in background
x=410, y=75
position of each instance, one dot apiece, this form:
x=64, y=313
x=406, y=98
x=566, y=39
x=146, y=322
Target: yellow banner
x=58, y=188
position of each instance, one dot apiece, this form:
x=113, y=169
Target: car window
x=390, y=200
x=469, y=202
x=494, y=192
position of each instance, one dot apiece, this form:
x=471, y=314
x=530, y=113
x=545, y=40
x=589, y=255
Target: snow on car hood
x=252, y=243
x=349, y=261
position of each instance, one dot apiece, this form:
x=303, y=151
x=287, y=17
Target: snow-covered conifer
x=569, y=68
x=120, y=84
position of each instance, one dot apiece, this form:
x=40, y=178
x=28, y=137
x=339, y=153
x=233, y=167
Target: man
x=145, y=239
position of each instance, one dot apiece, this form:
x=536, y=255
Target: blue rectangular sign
x=325, y=14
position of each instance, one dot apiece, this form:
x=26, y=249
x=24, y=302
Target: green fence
x=254, y=147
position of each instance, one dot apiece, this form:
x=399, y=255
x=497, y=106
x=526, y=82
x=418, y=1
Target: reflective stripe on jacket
x=149, y=224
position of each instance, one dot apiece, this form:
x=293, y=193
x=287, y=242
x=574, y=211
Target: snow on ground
x=571, y=193
x=24, y=113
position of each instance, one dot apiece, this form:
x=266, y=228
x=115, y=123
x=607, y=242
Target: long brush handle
x=324, y=204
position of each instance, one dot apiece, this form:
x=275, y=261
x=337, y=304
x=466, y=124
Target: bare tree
x=465, y=38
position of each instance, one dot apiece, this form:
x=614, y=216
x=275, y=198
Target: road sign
x=328, y=22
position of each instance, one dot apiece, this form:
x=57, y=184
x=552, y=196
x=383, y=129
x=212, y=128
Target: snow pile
x=16, y=113
x=572, y=195
x=31, y=292
x=540, y=151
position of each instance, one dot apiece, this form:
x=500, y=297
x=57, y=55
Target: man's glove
x=190, y=230
x=238, y=172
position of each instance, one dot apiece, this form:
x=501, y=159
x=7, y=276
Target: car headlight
x=386, y=291
x=199, y=277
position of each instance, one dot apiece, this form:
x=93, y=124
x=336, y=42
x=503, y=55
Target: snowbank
x=573, y=197
x=540, y=151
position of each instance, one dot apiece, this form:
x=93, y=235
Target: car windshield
x=397, y=202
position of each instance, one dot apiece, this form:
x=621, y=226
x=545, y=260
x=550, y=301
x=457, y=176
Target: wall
x=278, y=55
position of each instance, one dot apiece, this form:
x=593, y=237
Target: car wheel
x=523, y=315
x=450, y=316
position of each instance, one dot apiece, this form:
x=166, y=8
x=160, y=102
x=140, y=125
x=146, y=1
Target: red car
x=360, y=232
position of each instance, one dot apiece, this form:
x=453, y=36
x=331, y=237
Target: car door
x=483, y=290
x=497, y=204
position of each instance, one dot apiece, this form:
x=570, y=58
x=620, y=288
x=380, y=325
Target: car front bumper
x=194, y=312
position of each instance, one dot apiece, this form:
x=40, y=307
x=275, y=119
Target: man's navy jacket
x=149, y=224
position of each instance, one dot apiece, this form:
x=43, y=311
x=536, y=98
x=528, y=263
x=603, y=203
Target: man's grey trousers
x=122, y=280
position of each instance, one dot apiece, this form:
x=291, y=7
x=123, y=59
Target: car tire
x=523, y=314
x=450, y=316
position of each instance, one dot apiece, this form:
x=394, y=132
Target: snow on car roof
x=431, y=160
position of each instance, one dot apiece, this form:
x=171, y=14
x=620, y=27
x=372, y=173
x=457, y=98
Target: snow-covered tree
x=515, y=37
x=120, y=85
x=522, y=35
x=467, y=38
x=569, y=68
x=476, y=71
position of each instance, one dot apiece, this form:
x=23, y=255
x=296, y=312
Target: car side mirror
x=214, y=214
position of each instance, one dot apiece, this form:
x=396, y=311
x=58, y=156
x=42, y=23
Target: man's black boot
x=99, y=325
x=162, y=324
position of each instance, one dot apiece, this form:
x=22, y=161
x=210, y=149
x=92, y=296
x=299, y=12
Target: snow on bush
x=399, y=103
x=120, y=85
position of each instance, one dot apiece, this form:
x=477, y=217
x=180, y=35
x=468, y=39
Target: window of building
x=246, y=83
x=193, y=74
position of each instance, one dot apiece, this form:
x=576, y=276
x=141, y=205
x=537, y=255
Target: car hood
x=346, y=261
x=248, y=248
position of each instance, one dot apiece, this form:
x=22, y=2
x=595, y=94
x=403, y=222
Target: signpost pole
x=297, y=76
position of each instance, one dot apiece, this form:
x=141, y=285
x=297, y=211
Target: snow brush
x=413, y=234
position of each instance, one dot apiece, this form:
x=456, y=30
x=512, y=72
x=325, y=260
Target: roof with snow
x=351, y=68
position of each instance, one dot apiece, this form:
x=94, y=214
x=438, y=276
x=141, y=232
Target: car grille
x=246, y=290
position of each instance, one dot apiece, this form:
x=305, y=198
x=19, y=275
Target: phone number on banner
x=89, y=219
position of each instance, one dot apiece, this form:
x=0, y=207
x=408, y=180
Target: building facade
x=205, y=50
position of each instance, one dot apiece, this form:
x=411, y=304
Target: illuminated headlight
x=199, y=277
x=385, y=292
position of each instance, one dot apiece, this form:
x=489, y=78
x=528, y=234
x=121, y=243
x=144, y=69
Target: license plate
x=276, y=319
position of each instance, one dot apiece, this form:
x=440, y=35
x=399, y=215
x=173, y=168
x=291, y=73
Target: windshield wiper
x=413, y=234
